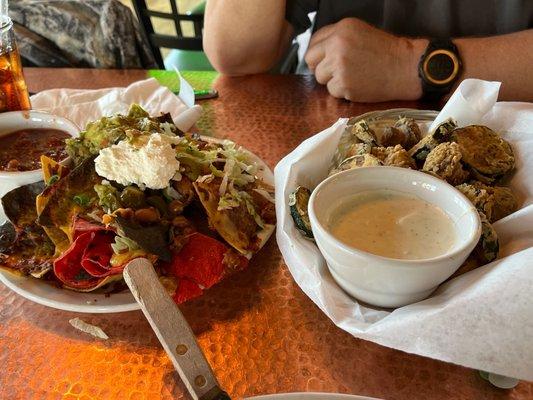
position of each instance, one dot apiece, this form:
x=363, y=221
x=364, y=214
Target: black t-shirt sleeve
x=296, y=13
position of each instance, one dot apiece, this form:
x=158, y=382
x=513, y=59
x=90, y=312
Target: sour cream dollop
x=150, y=161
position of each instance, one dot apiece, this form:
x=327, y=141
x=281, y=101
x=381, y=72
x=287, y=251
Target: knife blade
x=173, y=331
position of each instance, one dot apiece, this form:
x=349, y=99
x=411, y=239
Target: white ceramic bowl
x=383, y=281
x=16, y=120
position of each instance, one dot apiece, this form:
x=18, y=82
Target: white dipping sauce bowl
x=17, y=120
x=382, y=281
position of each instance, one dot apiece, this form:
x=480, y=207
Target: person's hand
x=361, y=63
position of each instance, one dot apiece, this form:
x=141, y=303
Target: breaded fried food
x=484, y=150
x=364, y=133
x=479, y=196
x=442, y=134
x=486, y=250
x=420, y=151
x=505, y=202
x=445, y=161
x=358, y=149
x=479, y=177
x=405, y=132
x=488, y=246
x=395, y=156
x=359, y=161
x=495, y=202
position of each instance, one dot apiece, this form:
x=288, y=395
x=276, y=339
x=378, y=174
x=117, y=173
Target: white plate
x=49, y=295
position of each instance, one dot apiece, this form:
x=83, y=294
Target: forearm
x=506, y=58
x=245, y=37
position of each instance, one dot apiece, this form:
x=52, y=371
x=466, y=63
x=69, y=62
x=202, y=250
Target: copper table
x=259, y=331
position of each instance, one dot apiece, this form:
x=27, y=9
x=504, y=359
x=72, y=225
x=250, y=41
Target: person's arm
x=506, y=58
x=361, y=63
x=245, y=37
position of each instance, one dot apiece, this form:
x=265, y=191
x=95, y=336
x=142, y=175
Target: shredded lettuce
x=265, y=194
x=250, y=206
x=236, y=166
x=228, y=201
x=123, y=244
x=232, y=199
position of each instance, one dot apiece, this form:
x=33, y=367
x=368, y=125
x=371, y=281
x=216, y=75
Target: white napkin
x=482, y=319
x=469, y=103
x=82, y=106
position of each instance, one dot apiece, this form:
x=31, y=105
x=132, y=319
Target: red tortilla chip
x=200, y=264
x=96, y=257
x=68, y=267
x=85, y=263
x=186, y=290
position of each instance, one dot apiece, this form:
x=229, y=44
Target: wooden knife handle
x=173, y=331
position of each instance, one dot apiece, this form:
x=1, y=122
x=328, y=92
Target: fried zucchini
x=364, y=133
x=496, y=202
x=359, y=161
x=505, y=202
x=479, y=197
x=442, y=133
x=298, y=202
x=358, y=149
x=488, y=246
x=484, y=150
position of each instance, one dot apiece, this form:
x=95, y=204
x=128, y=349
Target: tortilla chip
x=236, y=226
x=60, y=209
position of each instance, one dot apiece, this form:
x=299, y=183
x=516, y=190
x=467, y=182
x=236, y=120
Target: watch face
x=441, y=67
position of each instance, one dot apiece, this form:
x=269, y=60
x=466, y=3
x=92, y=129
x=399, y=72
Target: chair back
x=179, y=41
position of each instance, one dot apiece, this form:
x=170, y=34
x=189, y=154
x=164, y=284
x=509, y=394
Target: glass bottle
x=13, y=91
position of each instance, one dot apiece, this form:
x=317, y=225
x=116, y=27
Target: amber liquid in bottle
x=13, y=91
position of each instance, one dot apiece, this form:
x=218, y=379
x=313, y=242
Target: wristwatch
x=439, y=68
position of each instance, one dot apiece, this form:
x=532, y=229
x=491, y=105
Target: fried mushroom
x=395, y=156
x=445, y=161
x=405, y=132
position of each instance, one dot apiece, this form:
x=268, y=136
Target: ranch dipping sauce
x=393, y=224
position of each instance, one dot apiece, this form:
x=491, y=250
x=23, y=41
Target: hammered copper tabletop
x=259, y=331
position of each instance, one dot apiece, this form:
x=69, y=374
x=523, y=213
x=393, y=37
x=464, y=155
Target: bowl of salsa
x=24, y=137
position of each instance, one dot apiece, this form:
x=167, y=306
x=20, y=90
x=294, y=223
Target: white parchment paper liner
x=82, y=106
x=482, y=319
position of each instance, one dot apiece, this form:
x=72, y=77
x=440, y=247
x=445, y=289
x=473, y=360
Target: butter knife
x=173, y=331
